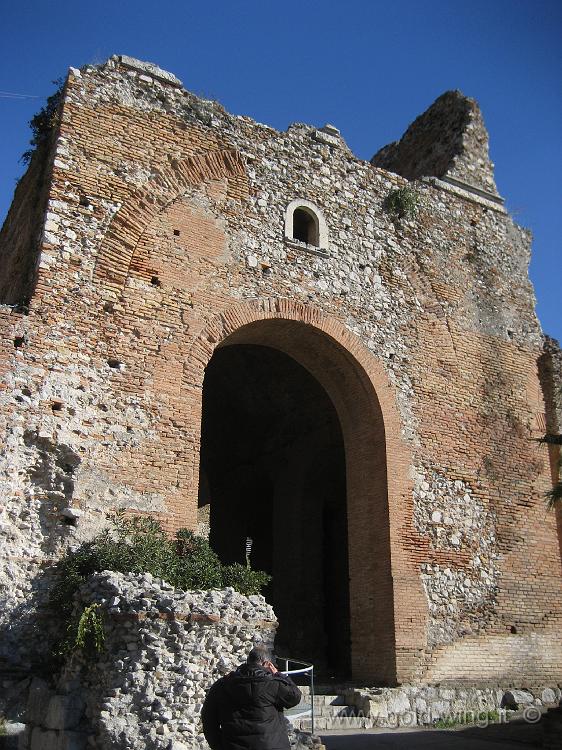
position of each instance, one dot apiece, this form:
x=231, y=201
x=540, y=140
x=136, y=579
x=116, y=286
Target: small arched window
x=305, y=226
x=304, y=223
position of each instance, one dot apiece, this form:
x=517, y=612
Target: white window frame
x=309, y=207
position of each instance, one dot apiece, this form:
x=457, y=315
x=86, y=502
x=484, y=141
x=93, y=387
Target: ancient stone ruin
x=253, y=333
x=163, y=650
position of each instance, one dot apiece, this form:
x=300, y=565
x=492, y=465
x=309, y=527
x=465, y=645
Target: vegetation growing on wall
x=140, y=545
x=44, y=121
x=554, y=496
x=90, y=633
x=401, y=203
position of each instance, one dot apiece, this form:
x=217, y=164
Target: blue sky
x=367, y=66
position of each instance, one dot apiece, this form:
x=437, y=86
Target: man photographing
x=244, y=709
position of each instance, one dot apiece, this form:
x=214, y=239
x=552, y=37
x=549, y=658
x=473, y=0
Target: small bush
x=402, y=203
x=90, y=633
x=44, y=121
x=197, y=565
x=554, y=496
x=140, y=545
x=244, y=579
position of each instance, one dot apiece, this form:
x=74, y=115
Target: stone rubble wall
x=163, y=650
x=452, y=515
x=165, y=647
x=420, y=705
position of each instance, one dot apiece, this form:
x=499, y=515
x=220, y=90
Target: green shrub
x=139, y=545
x=402, y=203
x=43, y=123
x=90, y=633
x=244, y=579
x=554, y=496
x=197, y=566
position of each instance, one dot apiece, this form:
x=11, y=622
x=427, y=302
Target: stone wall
x=23, y=228
x=412, y=705
x=550, y=371
x=165, y=647
x=164, y=237
x=163, y=650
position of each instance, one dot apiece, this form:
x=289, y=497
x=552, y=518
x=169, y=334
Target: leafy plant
x=244, y=579
x=139, y=544
x=554, y=495
x=90, y=635
x=402, y=202
x=44, y=121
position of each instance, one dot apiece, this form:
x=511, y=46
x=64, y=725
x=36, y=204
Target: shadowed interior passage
x=273, y=469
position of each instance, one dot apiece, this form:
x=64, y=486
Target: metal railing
x=305, y=669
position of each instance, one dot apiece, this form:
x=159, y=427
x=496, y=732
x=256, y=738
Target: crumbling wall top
x=148, y=68
x=449, y=141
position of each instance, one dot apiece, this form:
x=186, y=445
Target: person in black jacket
x=244, y=710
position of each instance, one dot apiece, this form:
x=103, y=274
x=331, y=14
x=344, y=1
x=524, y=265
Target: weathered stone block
x=515, y=699
x=72, y=741
x=24, y=740
x=378, y=711
x=177, y=745
x=37, y=701
x=397, y=703
x=64, y=712
x=548, y=695
x=42, y=739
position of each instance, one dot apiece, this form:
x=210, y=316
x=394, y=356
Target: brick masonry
x=150, y=231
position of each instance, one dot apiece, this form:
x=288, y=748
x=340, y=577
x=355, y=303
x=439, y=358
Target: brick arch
x=388, y=606
x=143, y=204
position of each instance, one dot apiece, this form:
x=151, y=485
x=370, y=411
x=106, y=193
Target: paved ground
x=514, y=736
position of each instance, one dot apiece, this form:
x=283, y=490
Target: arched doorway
x=387, y=606
x=273, y=470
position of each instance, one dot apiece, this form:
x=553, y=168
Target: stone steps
x=325, y=690
x=323, y=724
x=330, y=712
x=325, y=700
x=324, y=711
x=407, y=706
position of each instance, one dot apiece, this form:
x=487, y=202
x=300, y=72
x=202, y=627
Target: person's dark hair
x=259, y=655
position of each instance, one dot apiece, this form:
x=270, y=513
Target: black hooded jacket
x=244, y=710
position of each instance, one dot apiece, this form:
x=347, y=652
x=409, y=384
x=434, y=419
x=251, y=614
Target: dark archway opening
x=273, y=468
